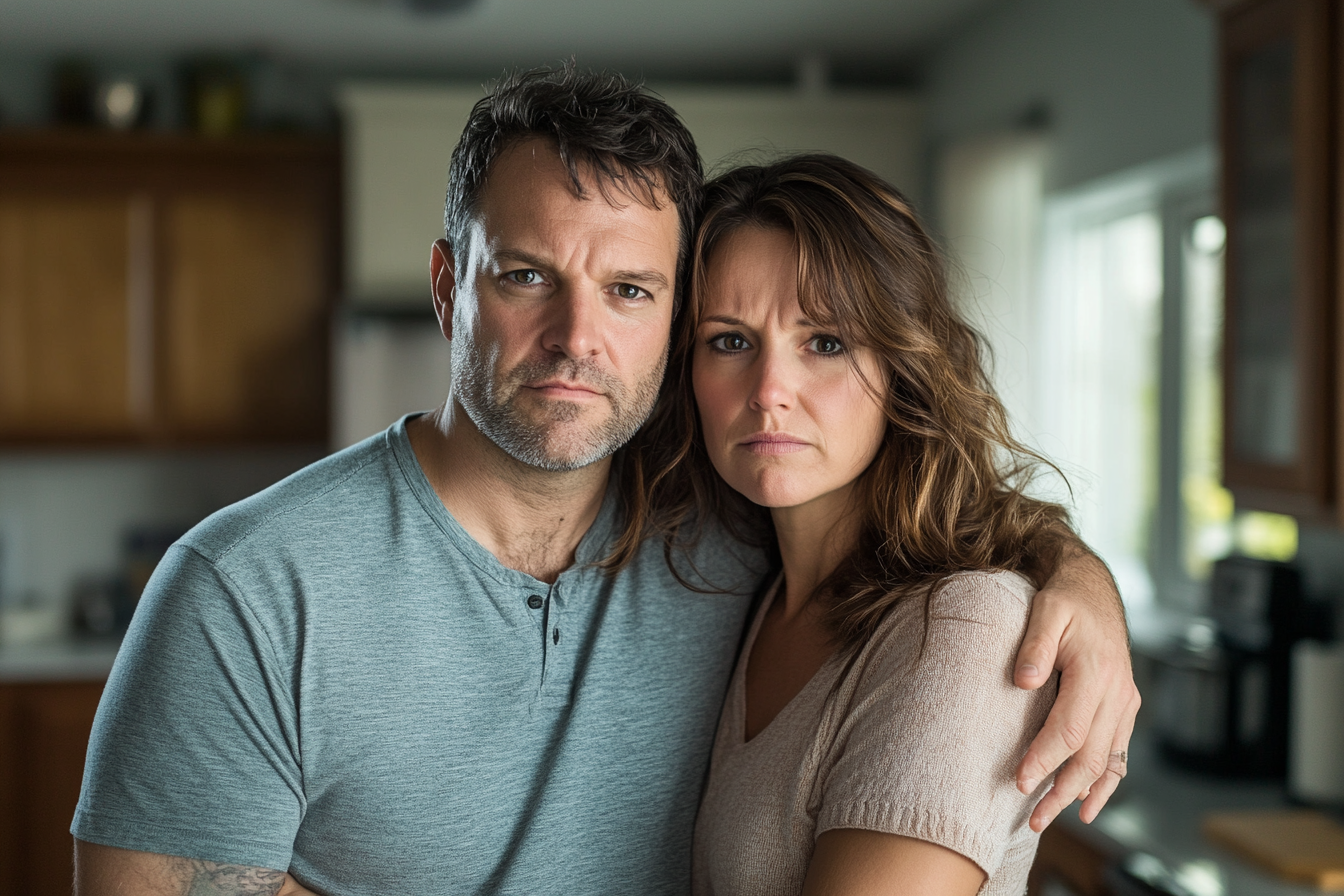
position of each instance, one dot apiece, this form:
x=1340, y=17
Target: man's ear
x=443, y=284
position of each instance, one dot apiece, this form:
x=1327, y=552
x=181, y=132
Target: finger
x=1040, y=645
x=1048, y=809
x=1064, y=733
x=1116, y=764
x=1087, y=766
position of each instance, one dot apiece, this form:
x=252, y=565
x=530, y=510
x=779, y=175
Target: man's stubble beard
x=491, y=406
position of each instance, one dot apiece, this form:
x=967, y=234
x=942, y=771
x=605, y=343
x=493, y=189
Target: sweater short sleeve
x=194, y=746
x=932, y=727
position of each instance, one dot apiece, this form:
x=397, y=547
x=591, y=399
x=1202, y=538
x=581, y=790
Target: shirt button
x=534, y=602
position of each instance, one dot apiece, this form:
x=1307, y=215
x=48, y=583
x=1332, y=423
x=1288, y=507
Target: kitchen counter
x=1159, y=810
x=64, y=660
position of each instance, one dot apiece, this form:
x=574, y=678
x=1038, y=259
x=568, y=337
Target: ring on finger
x=1118, y=762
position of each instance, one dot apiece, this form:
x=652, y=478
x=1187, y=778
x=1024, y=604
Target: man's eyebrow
x=519, y=257
x=648, y=278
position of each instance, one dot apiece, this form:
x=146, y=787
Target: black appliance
x=1223, y=694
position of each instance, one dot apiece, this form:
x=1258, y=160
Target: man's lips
x=563, y=389
x=773, y=443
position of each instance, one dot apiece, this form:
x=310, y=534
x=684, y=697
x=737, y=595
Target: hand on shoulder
x=1078, y=628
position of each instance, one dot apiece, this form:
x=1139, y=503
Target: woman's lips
x=773, y=443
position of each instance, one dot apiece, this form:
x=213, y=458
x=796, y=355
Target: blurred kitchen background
x=215, y=220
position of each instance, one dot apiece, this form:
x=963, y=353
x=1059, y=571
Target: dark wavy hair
x=946, y=491
x=601, y=123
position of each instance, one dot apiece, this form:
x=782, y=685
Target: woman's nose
x=776, y=382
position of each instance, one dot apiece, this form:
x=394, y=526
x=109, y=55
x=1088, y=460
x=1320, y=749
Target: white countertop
x=64, y=660
x=1159, y=810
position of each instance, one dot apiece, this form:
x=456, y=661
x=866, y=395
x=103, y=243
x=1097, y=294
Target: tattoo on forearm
x=219, y=879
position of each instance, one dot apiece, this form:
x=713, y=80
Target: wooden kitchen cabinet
x=60, y=373
x=165, y=289
x=1281, y=71
x=44, y=730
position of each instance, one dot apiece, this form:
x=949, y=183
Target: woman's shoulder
x=969, y=624
x=995, y=594
x=994, y=597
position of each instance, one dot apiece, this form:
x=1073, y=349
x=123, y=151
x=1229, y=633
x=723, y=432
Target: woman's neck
x=813, y=539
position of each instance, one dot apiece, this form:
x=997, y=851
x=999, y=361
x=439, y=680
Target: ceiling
x=686, y=38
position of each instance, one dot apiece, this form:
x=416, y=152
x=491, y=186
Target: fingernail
x=1028, y=669
x=1029, y=785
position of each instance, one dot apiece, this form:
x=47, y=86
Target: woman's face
x=787, y=420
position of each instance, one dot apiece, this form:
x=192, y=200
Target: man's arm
x=108, y=871
x=1078, y=627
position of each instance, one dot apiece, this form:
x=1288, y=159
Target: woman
x=869, y=736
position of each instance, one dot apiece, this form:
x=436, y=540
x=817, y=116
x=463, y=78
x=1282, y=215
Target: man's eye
x=827, y=345
x=729, y=343
x=629, y=291
x=527, y=277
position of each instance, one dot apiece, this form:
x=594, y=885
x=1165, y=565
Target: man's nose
x=776, y=381
x=573, y=323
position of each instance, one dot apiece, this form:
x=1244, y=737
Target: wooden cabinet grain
x=44, y=730
x=1281, y=70
x=165, y=289
x=65, y=314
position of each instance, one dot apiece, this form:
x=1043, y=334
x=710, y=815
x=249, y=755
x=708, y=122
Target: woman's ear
x=443, y=284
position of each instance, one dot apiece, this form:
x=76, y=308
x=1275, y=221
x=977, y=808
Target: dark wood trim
x=10, y=864
x=1336, y=327
x=1309, y=484
x=1074, y=856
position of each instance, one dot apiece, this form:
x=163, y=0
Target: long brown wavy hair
x=946, y=491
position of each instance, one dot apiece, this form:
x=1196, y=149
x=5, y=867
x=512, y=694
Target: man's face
x=561, y=310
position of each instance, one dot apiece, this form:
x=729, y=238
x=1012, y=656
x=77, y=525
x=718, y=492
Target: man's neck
x=532, y=520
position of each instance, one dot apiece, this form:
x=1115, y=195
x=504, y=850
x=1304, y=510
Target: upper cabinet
x=165, y=289
x=1280, y=73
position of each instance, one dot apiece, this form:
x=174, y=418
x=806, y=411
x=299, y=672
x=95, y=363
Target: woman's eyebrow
x=722, y=319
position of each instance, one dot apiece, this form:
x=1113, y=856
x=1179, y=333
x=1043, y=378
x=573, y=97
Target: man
x=402, y=670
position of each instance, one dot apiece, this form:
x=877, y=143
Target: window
x=1106, y=346
x=1131, y=403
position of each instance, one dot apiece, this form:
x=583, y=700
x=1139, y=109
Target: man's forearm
x=217, y=879
x=108, y=871
x=1076, y=567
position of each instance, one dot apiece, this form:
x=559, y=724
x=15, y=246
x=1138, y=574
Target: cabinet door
x=1277, y=131
x=244, y=320
x=72, y=314
x=44, y=729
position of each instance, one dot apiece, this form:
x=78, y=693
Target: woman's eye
x=827, y=345
x=729, y=342
x=527, y=277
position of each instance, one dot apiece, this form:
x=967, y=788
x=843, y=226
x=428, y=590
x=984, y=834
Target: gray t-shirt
x=332, y=677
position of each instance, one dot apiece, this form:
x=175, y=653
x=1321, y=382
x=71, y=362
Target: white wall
x=399, y=137
x=1124, y=82
x=64, y=514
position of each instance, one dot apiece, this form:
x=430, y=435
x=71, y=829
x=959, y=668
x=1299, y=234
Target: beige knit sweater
x=923, y=744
